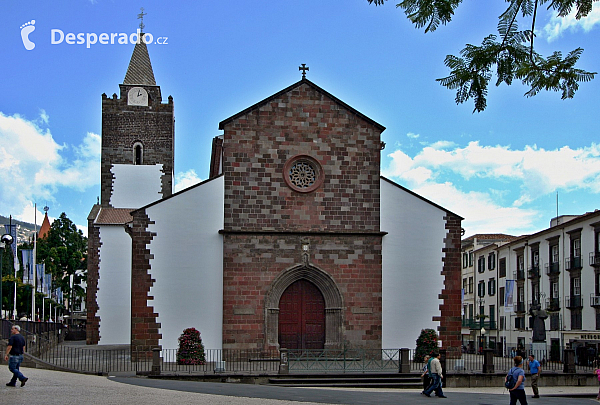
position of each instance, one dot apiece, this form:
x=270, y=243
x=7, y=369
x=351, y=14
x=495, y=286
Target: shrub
x=426, y=344
x=191, y=349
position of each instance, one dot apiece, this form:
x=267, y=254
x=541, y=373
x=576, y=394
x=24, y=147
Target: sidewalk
x=54, y=387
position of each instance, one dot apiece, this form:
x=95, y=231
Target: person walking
x=435, y=368
x=425, y=375
x=535, y=370
x=14, y=356
x=518, y=391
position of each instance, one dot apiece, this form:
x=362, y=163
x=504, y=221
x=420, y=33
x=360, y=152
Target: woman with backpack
x=517, y=392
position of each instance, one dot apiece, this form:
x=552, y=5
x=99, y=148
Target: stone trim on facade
x=334, y=305
x=450, y=316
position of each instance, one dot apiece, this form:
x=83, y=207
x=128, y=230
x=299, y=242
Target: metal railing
x=218, y=361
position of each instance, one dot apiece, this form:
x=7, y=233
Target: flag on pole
x=27, y=255
x=47, y=284
x=509, y=296
x=40, y=269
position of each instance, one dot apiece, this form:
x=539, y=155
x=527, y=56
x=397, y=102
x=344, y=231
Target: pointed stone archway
x=331, y=294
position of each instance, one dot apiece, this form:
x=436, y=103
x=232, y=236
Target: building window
x=520, y=263
x=470, y=259
x=465, y=260
x=138, y=153
x=520, y=322
x=501, y=296
x=554, y=254
x=465, y=285
x=554, y=289
x=502, y=267
x=576, y=319
x=492, y=261
x=470, y=285
x=577, y=247
x=481, y=264
x=492, y=286
x=303, y=174
x=554, y=322
x=502, y=323
x=481, y=289
x=576, y=285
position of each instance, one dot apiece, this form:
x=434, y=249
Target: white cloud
x=33, y=166
x=187, y=179
x=555, y=28
x=530, y=173
x=413, y=136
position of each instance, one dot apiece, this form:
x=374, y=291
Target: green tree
x=426, y=344
x=64, y=251
x=511, y=53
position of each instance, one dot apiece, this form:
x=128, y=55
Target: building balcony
x=476, y=324
x=595, y=259
x=553, y=304
x=573, y=263
x=519, y=274
x=520, y=307
x=573, y=301
x=552, y=268
x=595, y=300
x=533, y=272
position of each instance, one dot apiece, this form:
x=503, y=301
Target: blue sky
x=501, y=169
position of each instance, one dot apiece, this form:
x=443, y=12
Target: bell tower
x=138, y=134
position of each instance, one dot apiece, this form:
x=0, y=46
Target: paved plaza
x=54, y=387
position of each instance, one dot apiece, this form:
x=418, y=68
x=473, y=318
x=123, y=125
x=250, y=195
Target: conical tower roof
x=45, y=227
x=140, y=68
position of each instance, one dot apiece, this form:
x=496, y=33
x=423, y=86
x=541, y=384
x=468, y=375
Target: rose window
x=303, y=174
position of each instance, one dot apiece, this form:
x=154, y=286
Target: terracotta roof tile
x=114, y=216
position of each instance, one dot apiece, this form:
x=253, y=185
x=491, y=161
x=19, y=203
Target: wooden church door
x=302, y=317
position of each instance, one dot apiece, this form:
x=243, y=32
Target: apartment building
x=557, y=268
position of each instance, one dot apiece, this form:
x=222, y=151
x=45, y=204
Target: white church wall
x=143, y=180
x=411, y=265
x=114, y=286
x=188, y=264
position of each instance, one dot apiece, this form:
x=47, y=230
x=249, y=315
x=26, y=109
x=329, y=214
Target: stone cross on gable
x=141, y=18
x=303, y=68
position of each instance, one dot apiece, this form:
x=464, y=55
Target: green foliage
x=426, y=344
x=513, y=55
x=191, y=349
x=64, y=251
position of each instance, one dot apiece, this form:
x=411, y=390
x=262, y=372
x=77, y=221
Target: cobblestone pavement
x=54, y=387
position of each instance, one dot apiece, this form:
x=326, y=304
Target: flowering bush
x=191, y=349
x=426, y=344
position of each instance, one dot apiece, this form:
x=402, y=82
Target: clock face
x=137, y=96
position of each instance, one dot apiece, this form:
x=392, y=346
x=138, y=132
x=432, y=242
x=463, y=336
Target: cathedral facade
x=294, y=241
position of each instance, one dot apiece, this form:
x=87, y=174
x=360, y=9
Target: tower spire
x=140, y=69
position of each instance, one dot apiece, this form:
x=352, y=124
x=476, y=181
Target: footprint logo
x=27, y=29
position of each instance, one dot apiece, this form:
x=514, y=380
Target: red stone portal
x=302, y=317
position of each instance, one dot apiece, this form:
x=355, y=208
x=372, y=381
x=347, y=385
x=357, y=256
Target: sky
x=503, y=170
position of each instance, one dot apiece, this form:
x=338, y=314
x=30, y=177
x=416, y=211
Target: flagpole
x=16, y=266
x=34, y=263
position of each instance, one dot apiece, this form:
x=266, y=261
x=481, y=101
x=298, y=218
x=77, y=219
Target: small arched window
x=138, y=153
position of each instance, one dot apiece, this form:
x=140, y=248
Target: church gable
x=301, y=160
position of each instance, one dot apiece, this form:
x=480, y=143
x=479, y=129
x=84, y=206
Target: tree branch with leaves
x=511, y=52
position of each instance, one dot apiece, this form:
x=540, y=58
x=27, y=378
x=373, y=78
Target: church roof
x=45, y=227
x=114, y=216
x=293, y=86
x=140, y=68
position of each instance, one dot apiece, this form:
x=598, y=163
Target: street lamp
x=482, y=329
x=482, y=338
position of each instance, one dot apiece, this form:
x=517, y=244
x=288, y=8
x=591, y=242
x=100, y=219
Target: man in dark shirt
x=14, y=355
